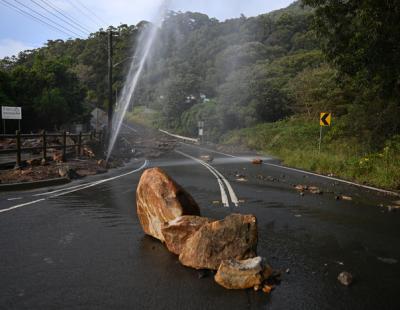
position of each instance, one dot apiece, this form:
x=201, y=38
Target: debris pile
x=228, y=247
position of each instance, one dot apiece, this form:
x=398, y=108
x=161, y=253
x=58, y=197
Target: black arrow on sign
x=323, y=119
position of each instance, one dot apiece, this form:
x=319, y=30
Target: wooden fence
x=79, y=142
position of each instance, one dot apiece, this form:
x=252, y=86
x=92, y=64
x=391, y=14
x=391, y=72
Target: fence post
x=18, y=138
x=79, y=143
x=64, y=151
x=44, y=151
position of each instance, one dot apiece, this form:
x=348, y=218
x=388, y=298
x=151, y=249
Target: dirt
x=146, y=144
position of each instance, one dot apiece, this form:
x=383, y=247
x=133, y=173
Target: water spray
x=145, y=43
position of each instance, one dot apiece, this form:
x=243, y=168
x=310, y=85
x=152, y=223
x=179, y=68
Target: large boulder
x=235, y=237
x=243, y=274
x=159, y=200
x=177, y=232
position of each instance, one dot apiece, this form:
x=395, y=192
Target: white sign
x=11, y=112
x=201, y=132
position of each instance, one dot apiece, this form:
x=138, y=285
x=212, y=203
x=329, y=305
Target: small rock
x=241, y=179
x=302, y=194
x=242, y=274
x=345, y=278
x=207, y=158
x=314, y=190
x=347, y=198
x=301, y=187
x=257, y=161
x=267, y=289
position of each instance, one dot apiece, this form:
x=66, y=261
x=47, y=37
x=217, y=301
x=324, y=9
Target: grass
x=144, y=116
x=295, y=142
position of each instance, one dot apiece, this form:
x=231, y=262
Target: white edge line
x=75, y=190
x=306, y=172
x=22, y=205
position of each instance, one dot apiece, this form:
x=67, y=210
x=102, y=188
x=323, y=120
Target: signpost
x=325, y=119
x=200, y=125
x=11, y=113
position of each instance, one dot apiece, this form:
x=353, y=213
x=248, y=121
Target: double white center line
x=221, y=181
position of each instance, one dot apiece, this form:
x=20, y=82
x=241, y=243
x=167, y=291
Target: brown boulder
x=242, y=274
x=179, y=230
x=235, y=237
x=159, y=200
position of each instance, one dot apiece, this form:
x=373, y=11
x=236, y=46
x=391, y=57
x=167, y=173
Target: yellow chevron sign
x=325, y=119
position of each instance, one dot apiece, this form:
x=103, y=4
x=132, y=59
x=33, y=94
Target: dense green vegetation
x=260, y=81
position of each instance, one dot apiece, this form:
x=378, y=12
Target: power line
x=94, y=14
x=54, y=7
x=58, y=18
x=12, y=6
x=84, y=13
x=49, y=19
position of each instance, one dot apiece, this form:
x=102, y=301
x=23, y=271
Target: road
x=81, y=246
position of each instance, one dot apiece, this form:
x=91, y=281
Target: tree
x=362, y=39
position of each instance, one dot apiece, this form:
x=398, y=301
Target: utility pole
x=110, y=77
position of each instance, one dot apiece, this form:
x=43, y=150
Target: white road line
x=303, y=171
x=74, y=189
x=63, y=189
x=178, y=136
x=220, y=178
x=16, y=198
x=21, y=205
x=234, y=198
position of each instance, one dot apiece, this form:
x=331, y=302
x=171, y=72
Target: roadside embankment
x=295, y=142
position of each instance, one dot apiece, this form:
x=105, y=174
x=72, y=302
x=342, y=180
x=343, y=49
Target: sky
x=76, y=18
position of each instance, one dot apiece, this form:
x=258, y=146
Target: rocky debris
x=207, y=158
x=311, y=189
x=159, y=200
x=267, y=289
x=87, y=151
x=257, y=161
x=229, y=246
x=68, y=172
x=314, y=190
x=102, y=163
x=235, y=237
x=243, y=274
x=179, y=230
x=345, y=278
x=57, y=157
x=241, y=180
x=34, y=162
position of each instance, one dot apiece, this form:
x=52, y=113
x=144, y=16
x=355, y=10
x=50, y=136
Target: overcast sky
x=19, y=32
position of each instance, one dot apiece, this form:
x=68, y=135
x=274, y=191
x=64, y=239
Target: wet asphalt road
x=83, y=248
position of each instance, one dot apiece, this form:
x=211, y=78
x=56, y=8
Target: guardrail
x=180, y=137
x=78, y=140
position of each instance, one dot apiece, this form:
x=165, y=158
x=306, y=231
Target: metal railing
x=80, y=140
